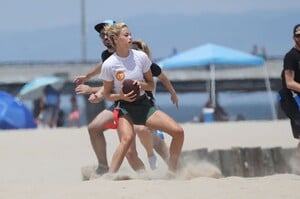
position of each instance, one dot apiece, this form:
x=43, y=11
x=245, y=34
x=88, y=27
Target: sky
x=37, y=18
x=36, y=15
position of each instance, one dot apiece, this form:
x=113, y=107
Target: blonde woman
x=150, y=139
x=127, y=63
x=96, y=128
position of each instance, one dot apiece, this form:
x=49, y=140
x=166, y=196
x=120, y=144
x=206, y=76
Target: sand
x=46, y=163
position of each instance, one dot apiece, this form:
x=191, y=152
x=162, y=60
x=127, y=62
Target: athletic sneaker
x=100, y=171
x=153, y=162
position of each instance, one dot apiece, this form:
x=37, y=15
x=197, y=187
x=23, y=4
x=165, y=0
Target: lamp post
x=83, y=32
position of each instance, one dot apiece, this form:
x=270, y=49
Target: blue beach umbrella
x=34, y=89
x=212, y=56
x=215, y=56
x=14, y=114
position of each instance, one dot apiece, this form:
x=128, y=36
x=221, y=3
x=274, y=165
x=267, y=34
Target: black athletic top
x=105, y=54
x=156, y=71
x=291, y=61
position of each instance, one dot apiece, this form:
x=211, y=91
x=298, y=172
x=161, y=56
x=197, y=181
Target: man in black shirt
x=105, y=54
x=291, y=85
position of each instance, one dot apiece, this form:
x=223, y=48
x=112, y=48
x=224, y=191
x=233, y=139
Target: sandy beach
x=47, y=163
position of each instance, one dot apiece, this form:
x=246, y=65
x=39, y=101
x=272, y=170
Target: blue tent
x=14, y=114
x=211, y=54
x=215, y=56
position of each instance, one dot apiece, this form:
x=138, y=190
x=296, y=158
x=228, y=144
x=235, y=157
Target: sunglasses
x=297, y=36
x=102, y=35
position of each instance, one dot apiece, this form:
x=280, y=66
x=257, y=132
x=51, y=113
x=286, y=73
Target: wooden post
x=214, y=158
x=226, y=159
x=268, y=164
x=290, y=159
x=279, y=161
x=252, y=162
x=238, y=161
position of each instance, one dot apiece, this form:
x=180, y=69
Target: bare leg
x=150, y=140
x=126, y=132
x=146, y=138
x=160, y=147
x=173, y=129
x=96, y=131
x=145, y=135
x=132, y=157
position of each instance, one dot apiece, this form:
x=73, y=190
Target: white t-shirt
x=118, y=69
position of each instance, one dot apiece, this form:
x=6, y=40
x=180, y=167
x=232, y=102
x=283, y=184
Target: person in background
x=126, y=62
x=156, y=72
x=74, y=115
x=220, y=114
x=38, y=111
x=148, y=140
x=290, y=90
x=61, y=118
x=50, y=105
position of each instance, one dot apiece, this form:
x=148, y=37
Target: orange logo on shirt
x=120, y=75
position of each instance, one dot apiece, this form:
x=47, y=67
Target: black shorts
x=139, y=111
x=290, y=108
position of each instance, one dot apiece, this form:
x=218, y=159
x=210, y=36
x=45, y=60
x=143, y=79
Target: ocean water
x=249, y=105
